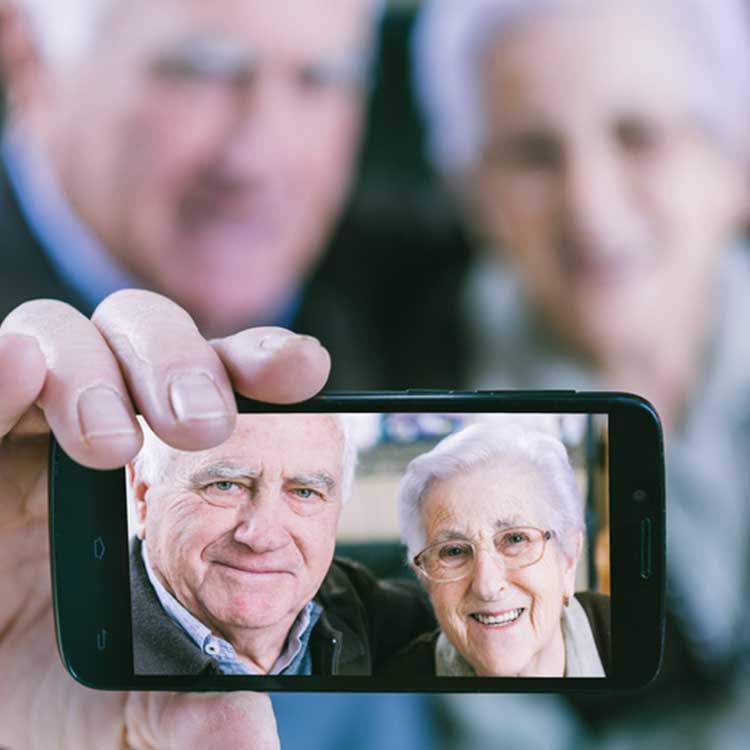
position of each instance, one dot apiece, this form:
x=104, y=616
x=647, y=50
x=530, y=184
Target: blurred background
x=454, y=193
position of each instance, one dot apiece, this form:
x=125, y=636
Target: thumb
x=210, y=721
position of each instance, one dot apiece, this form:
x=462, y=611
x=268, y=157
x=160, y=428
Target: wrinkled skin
x=50, y=358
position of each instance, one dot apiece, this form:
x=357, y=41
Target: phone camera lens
x=639, y=496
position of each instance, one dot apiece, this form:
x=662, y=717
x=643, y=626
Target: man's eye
x=637, y=137
x=527, y=151
x=305, y=493
x=225, y=486
x=225, y=493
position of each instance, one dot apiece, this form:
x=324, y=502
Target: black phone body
x=621, y=438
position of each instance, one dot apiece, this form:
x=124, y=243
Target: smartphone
x=373, y=541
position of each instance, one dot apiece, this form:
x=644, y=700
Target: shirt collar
x=72, y=249
x=291, y=659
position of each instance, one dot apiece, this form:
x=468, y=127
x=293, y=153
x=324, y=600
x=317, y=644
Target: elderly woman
x=601, y=151
x=493, y=523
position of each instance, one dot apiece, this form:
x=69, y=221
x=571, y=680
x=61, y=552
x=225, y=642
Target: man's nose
x=263, y=126
x=490, y=574
x=261, y=526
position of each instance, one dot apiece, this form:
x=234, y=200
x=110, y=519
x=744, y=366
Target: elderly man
x=231, y=568
x=201, y=149
x=600, y=152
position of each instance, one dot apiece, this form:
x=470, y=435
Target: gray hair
x=154, y=458
x=452, y=38
x=485, y=444
x=66, y=29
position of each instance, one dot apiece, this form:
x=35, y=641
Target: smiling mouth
x=253, y=571
x=501, y=619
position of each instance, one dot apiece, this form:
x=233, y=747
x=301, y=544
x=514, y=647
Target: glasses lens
x=448, y=560
x=520, y=546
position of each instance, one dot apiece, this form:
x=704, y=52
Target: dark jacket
x=418, y=657
x=25, y=271
x=364, y=622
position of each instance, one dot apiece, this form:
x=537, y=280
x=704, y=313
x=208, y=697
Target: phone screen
x=393, y=545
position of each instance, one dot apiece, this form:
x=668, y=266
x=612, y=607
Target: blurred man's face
x=243, y=534
x=209, y=144
x=609, y=198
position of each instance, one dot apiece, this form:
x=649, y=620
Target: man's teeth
x=513, y=614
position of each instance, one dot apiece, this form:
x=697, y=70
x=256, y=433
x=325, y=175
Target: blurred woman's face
x=503, y=621
x=598, y=178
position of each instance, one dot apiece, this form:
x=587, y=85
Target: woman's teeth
x=509, y=616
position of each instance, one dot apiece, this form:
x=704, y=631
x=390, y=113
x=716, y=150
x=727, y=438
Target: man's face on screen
x=243, y=534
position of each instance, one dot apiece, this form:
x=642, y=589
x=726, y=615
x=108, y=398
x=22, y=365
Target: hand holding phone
x=80, y=379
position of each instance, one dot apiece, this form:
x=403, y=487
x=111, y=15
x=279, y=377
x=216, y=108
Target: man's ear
x=21, y=63
x=137, y=491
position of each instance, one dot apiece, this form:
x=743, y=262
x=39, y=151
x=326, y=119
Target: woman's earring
x=566, y=600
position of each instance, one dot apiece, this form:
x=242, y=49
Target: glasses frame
x=546, y=536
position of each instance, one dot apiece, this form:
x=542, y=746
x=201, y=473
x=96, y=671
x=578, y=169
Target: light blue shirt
x=295, y=659
x=75, y=254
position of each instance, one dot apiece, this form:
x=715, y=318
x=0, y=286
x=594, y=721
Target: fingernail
x=312, y=339
x=195, y=397
x=274, y=341
x=102, y=413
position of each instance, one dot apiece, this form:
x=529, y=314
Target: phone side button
x=102, y=640
x=646, y=548
x=100, y=548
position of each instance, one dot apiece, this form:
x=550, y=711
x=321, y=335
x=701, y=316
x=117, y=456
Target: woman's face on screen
x=504, y=621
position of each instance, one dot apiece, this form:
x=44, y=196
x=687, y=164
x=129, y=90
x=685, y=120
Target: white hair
x=484, y=444
x=66, y=29
x=153, y=460
x=452, y=38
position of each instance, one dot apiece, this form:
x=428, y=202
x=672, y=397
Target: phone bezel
x=91, y=594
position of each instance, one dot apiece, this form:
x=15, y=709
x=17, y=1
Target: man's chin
x=252, y=611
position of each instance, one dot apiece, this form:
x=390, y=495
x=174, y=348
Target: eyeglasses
x=455, y=559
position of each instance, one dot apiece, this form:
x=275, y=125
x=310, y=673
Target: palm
x=32, y=673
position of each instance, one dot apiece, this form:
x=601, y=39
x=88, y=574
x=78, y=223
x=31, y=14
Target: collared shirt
x=707, y=466
x=75, y=254
x=295, y=659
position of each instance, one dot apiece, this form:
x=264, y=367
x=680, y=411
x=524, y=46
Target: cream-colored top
x=581, y=655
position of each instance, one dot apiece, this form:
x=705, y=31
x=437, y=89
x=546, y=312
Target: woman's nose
x=594, y=199
x=490, y=574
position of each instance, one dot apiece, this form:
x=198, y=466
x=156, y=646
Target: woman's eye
x=516, y=537
x=453, y=551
